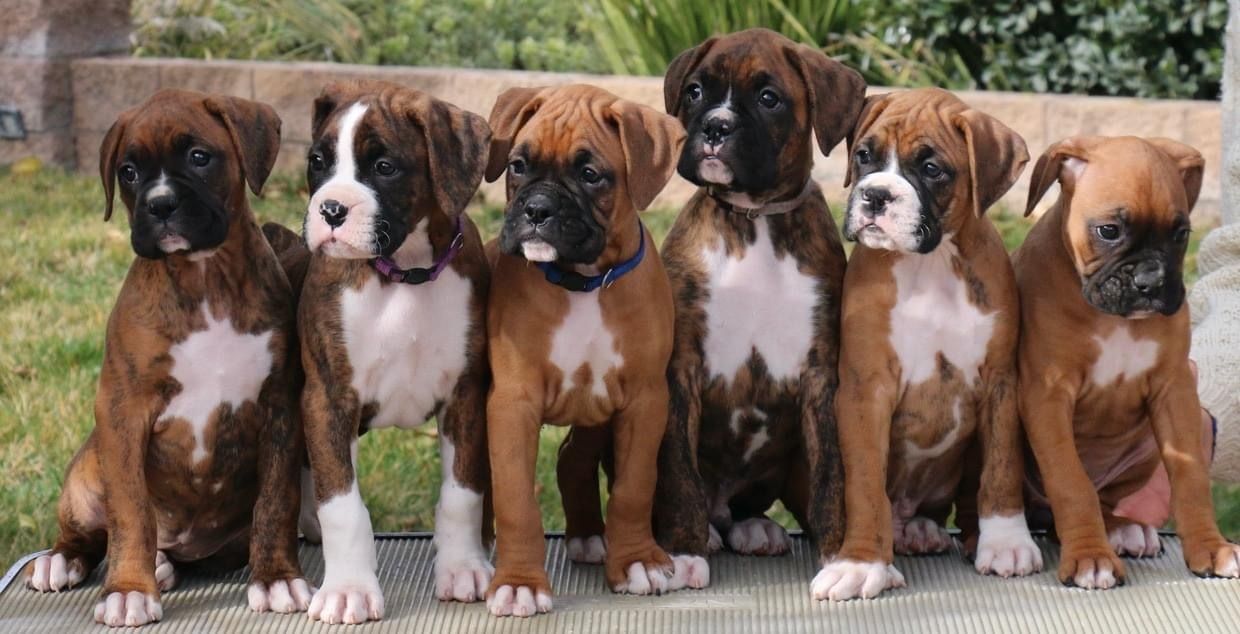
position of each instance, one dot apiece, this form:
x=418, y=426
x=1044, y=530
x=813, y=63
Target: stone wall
x=103, y=87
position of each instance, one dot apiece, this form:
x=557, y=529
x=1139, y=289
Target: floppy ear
x=1064, y=161
x=456, y=149
x=109, y=153
x=873, y=106
x=997, y=156
x=678, y=71
x=651, y=142
x=255, y=132
x=1189, y=161
x=513, y=108
x=836, y=94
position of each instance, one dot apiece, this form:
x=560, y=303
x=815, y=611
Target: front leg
x=462, y=565
x=681, y=510
x=1177, y=426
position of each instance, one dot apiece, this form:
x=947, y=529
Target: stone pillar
x=1230, y=174
x=38, y=39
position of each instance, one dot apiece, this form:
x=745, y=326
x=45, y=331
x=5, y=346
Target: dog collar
x=577, y=282
x=387, y=267
x=765, y=209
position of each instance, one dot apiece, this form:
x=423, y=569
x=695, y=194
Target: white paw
x=1135, y=540
x=165, y=573
x=1005, y=548
x=843, y=580
x=1095, y=578
x=520, y=602
x=463, y=580
x=714, y=543
x=643, y=580
x=689, y=571
x=1227, y=562
x=347, y=602
x=280, y=596
x=121, y=609
x=587, y=550
x=53, y=573
x=922, y=536
x=758, y=536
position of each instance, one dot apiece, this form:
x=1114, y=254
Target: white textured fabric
x=1214, y=304
x=1230, y=174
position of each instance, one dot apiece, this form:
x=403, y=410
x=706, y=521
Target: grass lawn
x=60, y=270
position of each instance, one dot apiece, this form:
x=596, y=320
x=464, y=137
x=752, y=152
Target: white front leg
x=1005, y=547
x=463, y=570
x=350, y=592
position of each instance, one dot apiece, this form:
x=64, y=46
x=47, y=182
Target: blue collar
x=577, y=282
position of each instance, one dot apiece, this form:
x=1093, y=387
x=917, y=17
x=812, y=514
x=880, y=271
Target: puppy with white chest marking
x=927, y=361
x=392, y=327
x=1106, y=390
x=196, y=446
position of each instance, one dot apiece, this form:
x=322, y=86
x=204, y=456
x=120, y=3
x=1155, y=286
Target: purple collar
x=387, y=268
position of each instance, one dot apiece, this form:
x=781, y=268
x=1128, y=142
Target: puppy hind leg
x=463, y=570
x=577, y=474
x=83, y=537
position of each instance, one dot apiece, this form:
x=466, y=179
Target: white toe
x=120, y=609
x=463, y=580
x=1005, y=547
x=520, y=601
x=690, y=571
x=714, y=543
x=845, y=579
x=587, y=550
x=758, y=536
x=349, y=601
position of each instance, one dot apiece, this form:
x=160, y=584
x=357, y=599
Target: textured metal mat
x=748, y=594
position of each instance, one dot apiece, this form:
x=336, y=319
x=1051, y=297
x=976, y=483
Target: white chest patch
x=406, y=343
x=1122, y=357
x=215, y=366
x=583, y=339
x=759, y=303
x=933, y=315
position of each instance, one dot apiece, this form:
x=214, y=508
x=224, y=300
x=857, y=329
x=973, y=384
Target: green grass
x=60, y=270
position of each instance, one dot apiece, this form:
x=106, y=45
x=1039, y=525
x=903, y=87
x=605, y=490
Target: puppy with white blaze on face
x=391, y=325
x=927, y=401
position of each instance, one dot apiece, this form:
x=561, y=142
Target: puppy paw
x=1005, y=548
x=714, y=543
x=1217, y=559
x=282, y=596
x=355, y=601
x=128, y=609
x=758, y=536
x=54, y=572
x=1091, y=569
x=689, y=571
x=165, y=572
x=520, y=601
x=922, y=536
x=587, y=550
x=465, y=580
x=1135, y=540
x=846, y=579
x=645, y=579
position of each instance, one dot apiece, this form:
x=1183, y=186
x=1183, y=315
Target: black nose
x=1148, y=277
x=717, y=129
x=334, y=212
x=162, y=206
x=538, y=207
x=876, y=199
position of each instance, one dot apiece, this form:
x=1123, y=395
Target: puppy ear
x=255, y=132
x=1064, y=162
x=836, y=94
x=456, y=149
x=513, y=108
x=678, y=71
x=1189, y=161
x=109, y=154
x=652, y=143
x=873, y=106
x=997, y=156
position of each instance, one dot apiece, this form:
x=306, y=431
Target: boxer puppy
x=1106, y=391
x=927, y=364
x=196, y=445
x=756, y=267
x=580, y=322
x=391, y=324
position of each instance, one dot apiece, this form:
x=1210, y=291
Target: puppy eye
x=516, y=167
x=693, y=92
x=317, y=164
x=863, y=157
x=129, y=174
x=930, y=170
x=1181, y=235
x=1108, y=232
x=768, y=99
x=384, y=167
x=590, y=176
x=199, y=158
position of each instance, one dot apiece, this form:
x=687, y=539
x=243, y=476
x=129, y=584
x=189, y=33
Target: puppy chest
x=406, y=344
x=583, y=347
x=759, y=305
x=1121, y=357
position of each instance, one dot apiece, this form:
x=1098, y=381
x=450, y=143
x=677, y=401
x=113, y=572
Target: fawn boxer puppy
x=927, y=361
x=579, y=322
x=756, y=267
x=196, y=446
x=392, y=326
x=1106, y=391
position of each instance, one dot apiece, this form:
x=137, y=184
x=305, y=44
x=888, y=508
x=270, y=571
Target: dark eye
x=129, y=174
x=199, y=158
x=1181, y=234
x=590, y=176
x=930, y=170
x=768, y=99
x=516, y=167
x=693, y=92
x=1108, y=232
x=317, y=164
x=863, y=157
x=384, y=167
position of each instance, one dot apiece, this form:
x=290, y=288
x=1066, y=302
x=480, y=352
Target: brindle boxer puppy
x=196, y=445
x=927, y=362
x=1106, y=391
x=391, y=322
x=580, y=322
x=756, y=267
